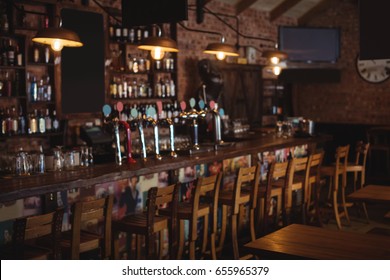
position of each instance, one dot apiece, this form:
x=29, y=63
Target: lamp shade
x=58, y=38
x=221, y=50
x=158, y=46
x=275, y=56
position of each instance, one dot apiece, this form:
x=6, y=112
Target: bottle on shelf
x=33, y=123
x=11, y=53
x=33, y=89
x=3, y=122
x=41, y=122
x=21, y=121
x=48, y=121
x=14, y=122
x=56, y=122
x=36, y=53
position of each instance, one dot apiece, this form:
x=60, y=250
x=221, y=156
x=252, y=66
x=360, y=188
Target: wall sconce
x=221, y=50
x=57, y=37
x=158, y=45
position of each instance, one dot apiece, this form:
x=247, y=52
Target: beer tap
x=149, y=120
x=193, y=115
x=113, y=119
x=216, y=115
x=167, y=122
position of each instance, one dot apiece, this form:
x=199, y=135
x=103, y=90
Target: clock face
x=373, y=71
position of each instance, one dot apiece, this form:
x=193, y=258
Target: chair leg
x=234, y=229
x=205, y=233
x=212, y=246
x=161, y=244
x=252, y=223
x=223, y=229
x=180, y=249
x=336, y=210
x=192, y=238
x=365, y=212
x=345, y=205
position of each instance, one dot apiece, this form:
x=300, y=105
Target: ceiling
x=301, y=10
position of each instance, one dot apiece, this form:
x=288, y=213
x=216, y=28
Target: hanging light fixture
x=158, y=45
x=275, y=56
x=221, y=50
x=57, y=37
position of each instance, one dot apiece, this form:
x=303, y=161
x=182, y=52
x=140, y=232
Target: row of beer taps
x=190, y=117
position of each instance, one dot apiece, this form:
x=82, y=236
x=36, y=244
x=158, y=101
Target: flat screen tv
x=310, y=44
x=146, y=12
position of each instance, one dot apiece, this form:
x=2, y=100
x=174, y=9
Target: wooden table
x=309, y=242
x=371, y=193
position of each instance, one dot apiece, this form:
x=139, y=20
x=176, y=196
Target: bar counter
x=13, y=188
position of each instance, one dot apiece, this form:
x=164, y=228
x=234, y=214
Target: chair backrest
x=38, y=226
x=93, y=216
x=207, y=188
x=341, y=164
x=313, y=175
x=277, y=170
x=160, y=198
x=361, y=151
x=296, y=166
x=250, y=178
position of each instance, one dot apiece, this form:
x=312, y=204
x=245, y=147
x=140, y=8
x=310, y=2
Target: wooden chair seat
x=226, y=197
x=138, y=223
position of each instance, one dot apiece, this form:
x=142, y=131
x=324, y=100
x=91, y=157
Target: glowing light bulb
x=220, y=55
x=157, y=53
x=277, y=70
x=274, y=60
x=57, y=45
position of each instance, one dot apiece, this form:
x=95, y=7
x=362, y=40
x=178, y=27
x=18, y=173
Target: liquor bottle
x=11, y=53
x=125, y=34
x=14, y=122
x=4, y=54
x=41, y=122
x=22, y=122
x=131, y=35
x=34, y=89
x=19, y=56
x=118, y=33
x=8, y=120
x=5, y=23
x=173, y=88
x=48, y=121
x=139, y=35
x=113, y=88
x=40, y=90
x=36, y=53
x=56, y=122
x=7, y=84
x=3, y=122
x=33, y=123
x=47, y=54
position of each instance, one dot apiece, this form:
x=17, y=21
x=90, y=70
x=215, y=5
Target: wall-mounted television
x=310, y=44
x=146, y=12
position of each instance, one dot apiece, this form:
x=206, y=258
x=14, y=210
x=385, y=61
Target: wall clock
x=374, y=70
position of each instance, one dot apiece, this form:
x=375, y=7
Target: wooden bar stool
x=358, y=167
x=203, y=203
x=339, y=168
x=151, y=222
x=277, y=173
x=91, y=229
x=245, y=192
x=296, y=183
x=28, y=231
x=313, y=184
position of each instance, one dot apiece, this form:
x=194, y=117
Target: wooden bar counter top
x=13, y=188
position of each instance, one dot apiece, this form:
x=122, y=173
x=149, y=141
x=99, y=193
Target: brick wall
x=353, y=100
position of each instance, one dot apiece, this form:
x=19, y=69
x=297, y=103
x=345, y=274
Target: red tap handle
x=130, y=159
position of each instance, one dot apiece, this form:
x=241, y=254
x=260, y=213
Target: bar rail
x=13, y=188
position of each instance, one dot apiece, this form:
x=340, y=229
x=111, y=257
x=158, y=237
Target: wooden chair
x=204, y=201
x=277, y=173
x=150, y=222
x=359, y=167
x=91, y=229
x=245, y=192
x=334, y=172
x=27, y=233
x=296, y=184
x=312, y=193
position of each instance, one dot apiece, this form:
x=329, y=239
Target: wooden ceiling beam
x=282, y=8
x=321, y=6
x=243, y=5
